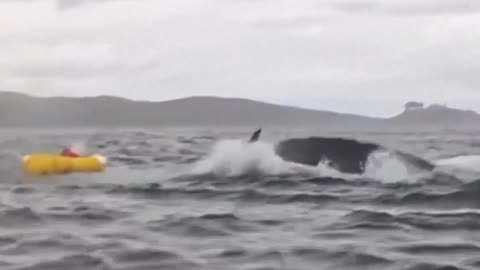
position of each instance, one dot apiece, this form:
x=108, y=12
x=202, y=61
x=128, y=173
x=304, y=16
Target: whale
x=343, y=154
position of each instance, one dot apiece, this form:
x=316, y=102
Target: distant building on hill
x=413, y=106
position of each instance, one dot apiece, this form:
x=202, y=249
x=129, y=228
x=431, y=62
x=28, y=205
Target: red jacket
x=69, y=153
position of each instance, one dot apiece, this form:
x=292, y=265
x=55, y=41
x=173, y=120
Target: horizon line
x=226, y=97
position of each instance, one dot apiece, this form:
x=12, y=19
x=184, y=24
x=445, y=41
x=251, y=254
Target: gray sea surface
x=201, y=198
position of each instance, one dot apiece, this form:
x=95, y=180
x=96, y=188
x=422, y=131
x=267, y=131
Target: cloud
x=69, y=4
x=405, y=7
x=355, y=6
x=311, y=52
x=432, y=7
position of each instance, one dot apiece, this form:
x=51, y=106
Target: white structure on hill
x=413, y=106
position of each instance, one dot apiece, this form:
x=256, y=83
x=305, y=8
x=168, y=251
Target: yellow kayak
x=49, y=164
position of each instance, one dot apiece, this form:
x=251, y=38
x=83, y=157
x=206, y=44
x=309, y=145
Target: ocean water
x=201, y=198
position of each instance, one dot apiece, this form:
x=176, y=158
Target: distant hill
x=20, y=110
x=24, y=110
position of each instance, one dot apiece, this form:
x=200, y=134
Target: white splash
x=464, y=167
x=236, y=157
x=386, y=166
x=232, y=158
x=467, y=162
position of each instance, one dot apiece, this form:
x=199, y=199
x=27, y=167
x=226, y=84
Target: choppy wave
x=193, y=201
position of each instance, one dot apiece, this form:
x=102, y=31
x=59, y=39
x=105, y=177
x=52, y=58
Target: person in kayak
x=68, y=152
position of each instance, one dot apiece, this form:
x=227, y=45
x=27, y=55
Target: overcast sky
x=360, y=56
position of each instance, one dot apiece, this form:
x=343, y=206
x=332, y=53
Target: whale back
x=346, y=155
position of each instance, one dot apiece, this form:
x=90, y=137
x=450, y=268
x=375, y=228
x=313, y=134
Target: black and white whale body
x=345, y=155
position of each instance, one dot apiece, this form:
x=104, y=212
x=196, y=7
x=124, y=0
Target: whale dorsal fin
x=255, y=136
